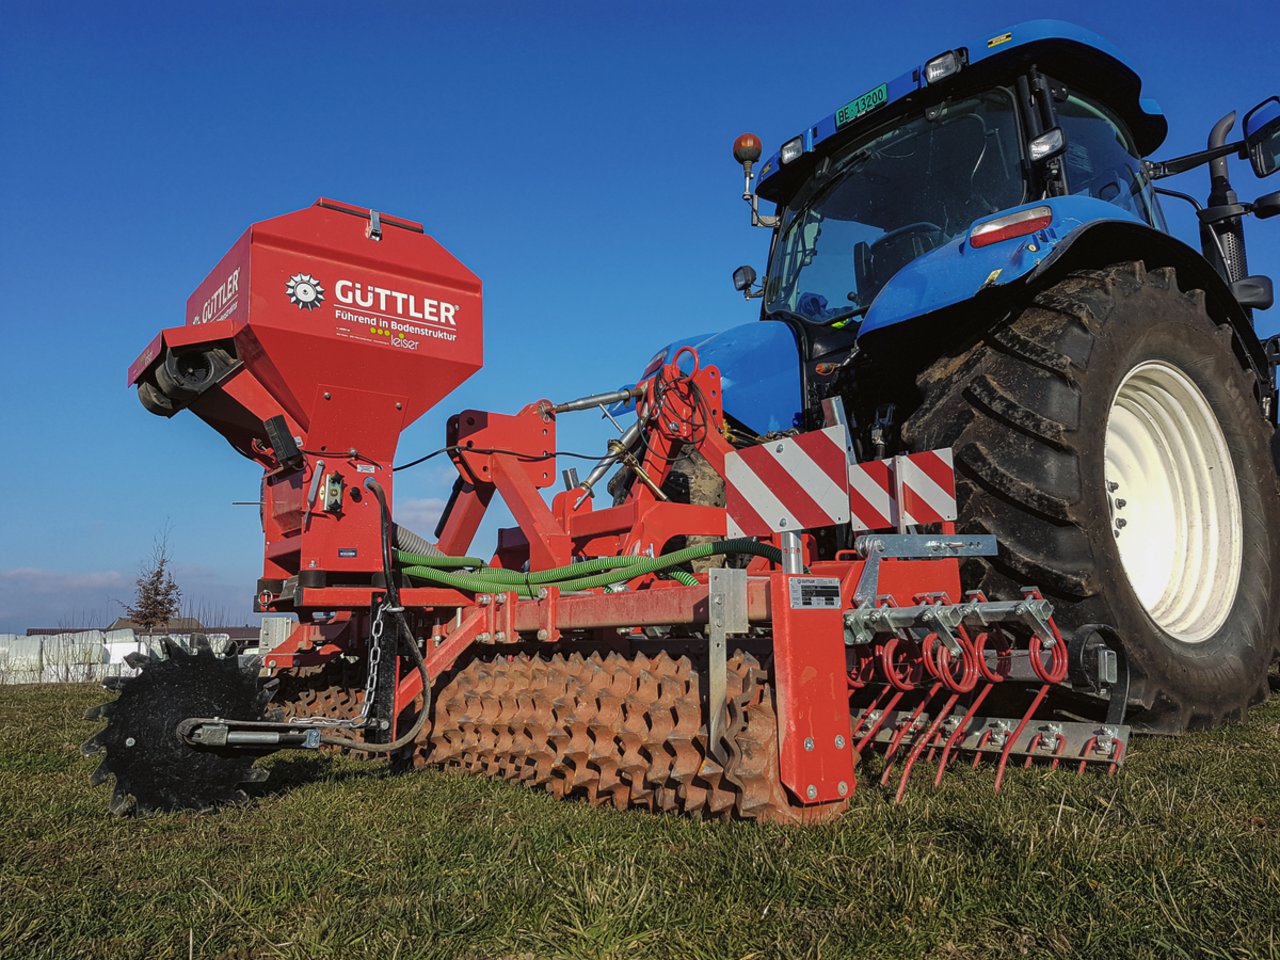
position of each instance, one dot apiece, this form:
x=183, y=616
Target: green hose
x=436, y=560
x=503, y=575
x=598, y=572
x=468, y=582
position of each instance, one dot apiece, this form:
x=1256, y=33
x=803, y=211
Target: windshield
x=890, y=197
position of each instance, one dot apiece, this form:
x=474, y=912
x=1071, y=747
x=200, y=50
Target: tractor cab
x=948, y=194
x=914, y=164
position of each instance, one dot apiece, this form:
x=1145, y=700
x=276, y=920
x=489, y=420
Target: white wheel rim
x=1174, y=502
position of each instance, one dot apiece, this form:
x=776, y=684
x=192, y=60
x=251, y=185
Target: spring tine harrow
x=1011, y=740
x=945, y=760
x=925, y=671
x=913, y=724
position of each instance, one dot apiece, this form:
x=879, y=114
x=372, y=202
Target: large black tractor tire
x=1092, y=435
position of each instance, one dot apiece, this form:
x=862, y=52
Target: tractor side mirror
x=1262, y=136
x=743, y=278
x=1268, y=205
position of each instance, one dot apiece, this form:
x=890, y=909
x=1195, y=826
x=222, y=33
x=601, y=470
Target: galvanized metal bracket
x=1064, y=741
x=726, y=614
x=913, y=546
x=922, y=546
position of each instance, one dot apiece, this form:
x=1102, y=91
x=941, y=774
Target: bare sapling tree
x=158, y=596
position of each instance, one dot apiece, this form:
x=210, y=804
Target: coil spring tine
x=903, y=730
x=1034, y=745
x=922, y=743
x=884, y=715
x=863, y=714
x=1013, y=737
x=1084, y=759
x=977, y=750
x=1112, y=766
x=959, y=732
x=1115, y=763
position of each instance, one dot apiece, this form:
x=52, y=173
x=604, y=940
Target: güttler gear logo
x=304, y=291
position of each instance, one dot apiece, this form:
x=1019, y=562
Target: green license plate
x=863, y=104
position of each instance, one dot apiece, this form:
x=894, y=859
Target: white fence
x=95, y=654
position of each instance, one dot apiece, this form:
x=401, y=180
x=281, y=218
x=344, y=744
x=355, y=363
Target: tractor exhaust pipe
x=1229, y=232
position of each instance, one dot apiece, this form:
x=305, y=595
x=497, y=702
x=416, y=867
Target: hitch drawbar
x=216, y=732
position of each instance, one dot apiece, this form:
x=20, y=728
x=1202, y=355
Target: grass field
x=1178, y=856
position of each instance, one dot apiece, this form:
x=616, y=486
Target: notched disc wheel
x=153, y=768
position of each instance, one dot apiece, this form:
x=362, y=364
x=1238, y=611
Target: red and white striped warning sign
x=920, y=485
x=798, y=483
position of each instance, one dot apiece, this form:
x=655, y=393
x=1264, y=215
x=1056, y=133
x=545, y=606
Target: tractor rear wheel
x=1109, y=437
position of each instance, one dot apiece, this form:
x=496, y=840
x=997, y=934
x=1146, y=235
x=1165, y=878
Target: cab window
x=1101, y=162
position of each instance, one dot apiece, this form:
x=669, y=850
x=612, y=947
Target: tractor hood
x=759, y=373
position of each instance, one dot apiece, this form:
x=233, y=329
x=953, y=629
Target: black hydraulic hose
x=388, y=571
x=393, y=607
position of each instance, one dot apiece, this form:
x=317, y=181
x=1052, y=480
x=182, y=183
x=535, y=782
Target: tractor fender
x=958, y=283
x=1103, y=242
x=958, y=273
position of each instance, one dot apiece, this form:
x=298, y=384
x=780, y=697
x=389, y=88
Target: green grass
x=1178, y=856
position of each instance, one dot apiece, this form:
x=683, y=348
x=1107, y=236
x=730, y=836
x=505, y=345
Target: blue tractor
x=973, y=255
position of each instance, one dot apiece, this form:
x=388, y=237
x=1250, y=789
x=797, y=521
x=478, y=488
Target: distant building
x=53, y=654
x=176, y=625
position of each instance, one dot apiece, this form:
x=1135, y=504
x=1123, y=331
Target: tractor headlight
x=1049, y=144
x=792, y=149
x=942, y=66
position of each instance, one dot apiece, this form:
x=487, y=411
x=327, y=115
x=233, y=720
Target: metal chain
x=375, y=657
x=370, y=683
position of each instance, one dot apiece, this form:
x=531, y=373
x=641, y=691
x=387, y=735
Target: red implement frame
x=305, y=307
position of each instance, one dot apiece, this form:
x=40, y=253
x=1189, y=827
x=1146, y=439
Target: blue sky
x=575, y=156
